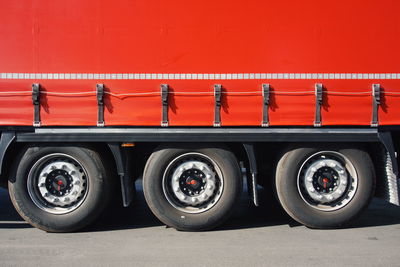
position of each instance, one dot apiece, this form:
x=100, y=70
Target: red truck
x=94, y=94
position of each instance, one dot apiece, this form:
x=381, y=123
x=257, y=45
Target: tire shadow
x=9, y=218
x=246, y=216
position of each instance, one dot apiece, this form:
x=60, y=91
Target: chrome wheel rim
x=327, y=181
x=192, y=183
x=57, y=183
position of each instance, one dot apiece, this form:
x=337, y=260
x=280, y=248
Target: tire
x=60, y=189
x=217, y=172
x=325, y=187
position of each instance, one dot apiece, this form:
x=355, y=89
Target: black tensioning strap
x=376, y=101
x=100, y=104
x=217, y=111
x=318, y=104
x=265, y=93
x=164, y=101
x=36, y=104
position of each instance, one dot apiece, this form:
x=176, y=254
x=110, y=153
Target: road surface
x=262, y=236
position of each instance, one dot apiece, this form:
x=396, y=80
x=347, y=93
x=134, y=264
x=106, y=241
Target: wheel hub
x=325, y=181
x=192, y=182
x=57, y=184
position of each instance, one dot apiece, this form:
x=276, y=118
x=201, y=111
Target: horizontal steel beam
x=180, y=134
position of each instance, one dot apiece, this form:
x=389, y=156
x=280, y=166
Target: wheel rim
x=57, y=183
x=192, y=183
x=327, y=181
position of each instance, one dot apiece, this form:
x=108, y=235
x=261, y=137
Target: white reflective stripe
x=199, y=76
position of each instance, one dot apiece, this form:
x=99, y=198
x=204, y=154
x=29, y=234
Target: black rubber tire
x=291, y=200
x=180, y=220
x=96, y=200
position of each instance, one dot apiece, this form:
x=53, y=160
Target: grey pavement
x=262, y=236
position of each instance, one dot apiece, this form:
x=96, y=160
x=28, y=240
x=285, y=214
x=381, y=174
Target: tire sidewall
x=154, y=194
x=297, y=208
x=88, y=210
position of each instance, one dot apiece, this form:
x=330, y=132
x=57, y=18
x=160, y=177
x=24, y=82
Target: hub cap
x=192, y=183
x=57, y=183
x=327, y=181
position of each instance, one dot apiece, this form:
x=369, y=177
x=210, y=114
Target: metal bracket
x=36, y=104
x=100, y=104
x=376, y=101
x=318, y=104
x=253, y=170
x=164, y=101
x=387, y=140
x=6, y=139
x=265, y=93
x=217, y=111
x=121, y=161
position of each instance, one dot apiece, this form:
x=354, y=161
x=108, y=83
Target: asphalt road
x=253, y=237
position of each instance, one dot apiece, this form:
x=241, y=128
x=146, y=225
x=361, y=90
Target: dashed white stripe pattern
x=200, y=76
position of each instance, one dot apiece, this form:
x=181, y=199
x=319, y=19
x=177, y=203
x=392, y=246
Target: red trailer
x=304, y=93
